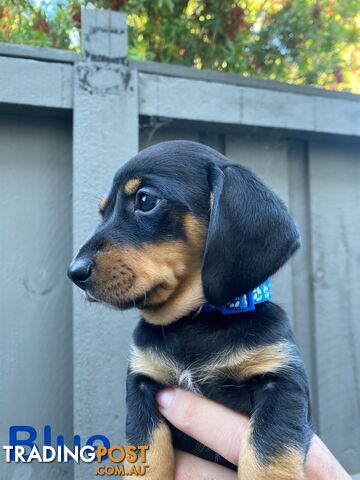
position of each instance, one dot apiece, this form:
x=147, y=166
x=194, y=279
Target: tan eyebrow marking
x=132, y=185
x=102, y=204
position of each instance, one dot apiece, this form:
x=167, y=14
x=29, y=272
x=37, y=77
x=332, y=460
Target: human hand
x=221, y=429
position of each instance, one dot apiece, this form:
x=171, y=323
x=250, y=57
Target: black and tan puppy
x=182, y=227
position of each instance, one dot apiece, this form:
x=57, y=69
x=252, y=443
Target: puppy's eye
x=145, y=201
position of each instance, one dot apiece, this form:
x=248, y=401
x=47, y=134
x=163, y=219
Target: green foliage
x=299, y=41
x=24, y=22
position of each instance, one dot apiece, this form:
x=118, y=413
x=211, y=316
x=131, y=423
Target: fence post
x=105, y=135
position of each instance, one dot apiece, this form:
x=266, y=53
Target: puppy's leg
x=278, y=437
x=145, y=426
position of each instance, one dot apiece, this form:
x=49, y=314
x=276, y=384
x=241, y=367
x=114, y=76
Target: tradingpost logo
x=22, y=448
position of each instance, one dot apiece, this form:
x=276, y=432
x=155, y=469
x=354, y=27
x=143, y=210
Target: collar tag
x=244, y=303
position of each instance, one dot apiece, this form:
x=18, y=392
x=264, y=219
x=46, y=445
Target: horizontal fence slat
x=36, y=53
x=36, y=83
x=181, y=71
x=190, y=99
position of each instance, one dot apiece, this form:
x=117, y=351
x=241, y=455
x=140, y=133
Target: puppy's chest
x=194, y=373
x=169, y=370
x=188, y=379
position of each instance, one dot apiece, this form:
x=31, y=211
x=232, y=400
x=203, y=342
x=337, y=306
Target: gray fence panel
x=36, y=381
x=230, y=104
x=335, y=230
x=303, y=304
x=29, y=82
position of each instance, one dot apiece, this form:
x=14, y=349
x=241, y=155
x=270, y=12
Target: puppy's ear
x=250, y=236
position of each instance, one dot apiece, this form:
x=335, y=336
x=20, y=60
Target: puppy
x=190, y=239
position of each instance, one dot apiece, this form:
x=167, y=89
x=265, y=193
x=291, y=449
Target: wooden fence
x=66, y=123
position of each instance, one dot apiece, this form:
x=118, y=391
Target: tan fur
x=195, y=232
x=288, y=465
x=239, y=365
x=168, y=272
x=159, y=457
x=187, y=297
x=189, y=294
x=102, y=204
x=156, y=366
x=132, y=185
x=247, y=363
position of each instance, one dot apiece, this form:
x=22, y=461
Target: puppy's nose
x=80, y=271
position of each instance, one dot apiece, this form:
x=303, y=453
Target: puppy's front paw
x=253, y=465
x=285, y=466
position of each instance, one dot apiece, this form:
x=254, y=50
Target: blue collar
x=245, y=303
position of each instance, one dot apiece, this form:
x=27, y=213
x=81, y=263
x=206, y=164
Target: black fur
x=250, y=236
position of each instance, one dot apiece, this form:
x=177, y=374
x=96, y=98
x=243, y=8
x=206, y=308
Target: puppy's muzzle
x=80, y=271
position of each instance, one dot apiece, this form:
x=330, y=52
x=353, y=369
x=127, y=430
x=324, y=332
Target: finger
x=189, y=467
x=221, y=429
x=321, y=464
x=214, y=425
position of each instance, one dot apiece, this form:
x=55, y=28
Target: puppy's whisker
x=163, y=332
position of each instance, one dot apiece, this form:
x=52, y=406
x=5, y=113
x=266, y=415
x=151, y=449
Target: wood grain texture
x=334, y=170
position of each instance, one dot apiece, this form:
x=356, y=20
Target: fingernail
x=165, y=397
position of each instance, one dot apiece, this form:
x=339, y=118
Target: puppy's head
x=181, y=225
